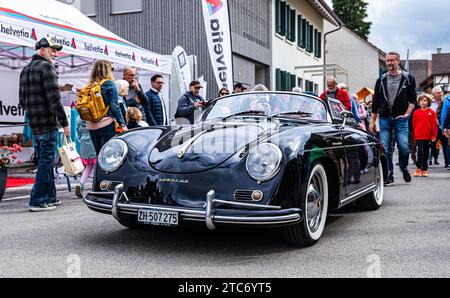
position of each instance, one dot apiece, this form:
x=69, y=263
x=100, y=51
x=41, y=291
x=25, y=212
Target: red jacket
x=424, y=124
x=342, y=96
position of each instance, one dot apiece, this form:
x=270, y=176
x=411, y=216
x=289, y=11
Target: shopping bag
x=70, y=158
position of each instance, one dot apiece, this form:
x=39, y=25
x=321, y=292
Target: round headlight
x=112, y=155
x=263, y=162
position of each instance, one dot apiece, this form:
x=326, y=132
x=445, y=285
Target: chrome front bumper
x=121, y=205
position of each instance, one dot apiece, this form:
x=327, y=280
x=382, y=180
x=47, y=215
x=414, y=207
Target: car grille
x=243, y=195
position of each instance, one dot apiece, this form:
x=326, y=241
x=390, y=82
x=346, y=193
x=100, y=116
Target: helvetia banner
x=183, y=68
x=23, y=23
x=217, y=25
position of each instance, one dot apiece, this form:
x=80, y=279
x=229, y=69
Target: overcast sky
x=418, y=25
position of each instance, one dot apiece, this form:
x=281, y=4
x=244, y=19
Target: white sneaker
x=43, y=208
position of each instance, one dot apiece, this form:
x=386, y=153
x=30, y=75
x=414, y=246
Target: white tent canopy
x=22, y=23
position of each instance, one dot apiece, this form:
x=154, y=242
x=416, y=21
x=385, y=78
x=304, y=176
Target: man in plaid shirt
x=40, y=97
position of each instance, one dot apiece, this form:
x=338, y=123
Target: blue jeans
x=401, y=129
x=44, y=189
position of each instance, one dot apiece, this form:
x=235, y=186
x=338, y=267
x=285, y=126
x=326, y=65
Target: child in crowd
x=425, y=132
x=134, y=118
x=87, y=154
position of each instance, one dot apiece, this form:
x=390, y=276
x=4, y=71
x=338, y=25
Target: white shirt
x=165, y=118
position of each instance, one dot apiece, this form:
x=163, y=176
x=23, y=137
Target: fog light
x=257, y=196
x=104, y=185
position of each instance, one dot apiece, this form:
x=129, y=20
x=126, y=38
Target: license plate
x=158, y=218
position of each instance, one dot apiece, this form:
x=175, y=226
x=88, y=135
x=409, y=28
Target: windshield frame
x=330, y=118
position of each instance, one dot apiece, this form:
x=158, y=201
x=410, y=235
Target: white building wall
x=357, y=57
x=442, y=79
x=287, y=55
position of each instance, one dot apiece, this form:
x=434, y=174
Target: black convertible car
x=266, y=159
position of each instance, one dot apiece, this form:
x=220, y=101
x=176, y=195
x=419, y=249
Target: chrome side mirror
x=345, y=115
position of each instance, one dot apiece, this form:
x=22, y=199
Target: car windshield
x=267, y=104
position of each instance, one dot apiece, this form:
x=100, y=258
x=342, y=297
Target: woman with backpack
x=103, y=130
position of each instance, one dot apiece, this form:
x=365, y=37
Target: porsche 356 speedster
x=265, y=159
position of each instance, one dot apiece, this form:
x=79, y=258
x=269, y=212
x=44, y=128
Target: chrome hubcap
x=378, y=193
x=314, y=204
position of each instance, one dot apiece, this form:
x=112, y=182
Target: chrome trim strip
x=201, y=216
x=185, y=147
x=134, y=207
x=259, y=220
x=117, y=195
x=248, y=205
x=98, y=206
x=101, y=193
x=209, y=215
x=340, y=147
x=359, y=193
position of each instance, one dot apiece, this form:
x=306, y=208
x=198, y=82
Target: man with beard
x=393, y=102
x=40, y=97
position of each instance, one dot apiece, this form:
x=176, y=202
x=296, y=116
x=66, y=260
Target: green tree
x=353, y=14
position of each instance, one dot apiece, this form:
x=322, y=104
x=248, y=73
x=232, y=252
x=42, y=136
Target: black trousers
x=101, y=136
x=434, y=150
x=444, y=145
x=423, y=153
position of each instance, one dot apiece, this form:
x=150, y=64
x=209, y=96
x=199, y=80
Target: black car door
x=359, y=153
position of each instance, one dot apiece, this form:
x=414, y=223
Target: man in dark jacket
x=393, y=102
x=191, y=102
x=156, y=103
x=40, y=97
x=136, y=97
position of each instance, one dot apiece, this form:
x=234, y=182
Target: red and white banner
x=217, y=25
x=25, y=22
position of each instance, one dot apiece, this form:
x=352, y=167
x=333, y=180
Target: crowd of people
x=419, y=125
x=395, y=114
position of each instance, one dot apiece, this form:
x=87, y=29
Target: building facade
x=161, y=25
x=360, y=61
x=271, y=39
x=431, y=73
x=298, y=44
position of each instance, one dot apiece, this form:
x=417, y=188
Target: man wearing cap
x=40, y=97
x=191, y=102
x=239, y=88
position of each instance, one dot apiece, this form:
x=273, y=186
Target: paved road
x=408, y=237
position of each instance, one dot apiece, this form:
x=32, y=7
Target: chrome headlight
x=112, y=155
x=263, y=162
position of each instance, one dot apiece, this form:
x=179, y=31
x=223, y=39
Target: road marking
x=16, y=198
x=58, y=187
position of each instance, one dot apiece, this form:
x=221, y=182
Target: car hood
x=204, y=147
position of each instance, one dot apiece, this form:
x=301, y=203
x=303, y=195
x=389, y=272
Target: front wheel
x=374, y=200
x=315, y=207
